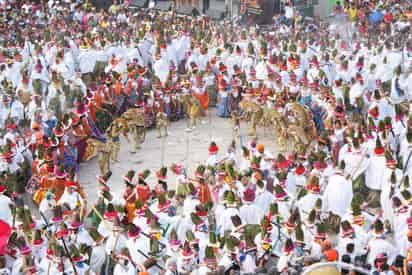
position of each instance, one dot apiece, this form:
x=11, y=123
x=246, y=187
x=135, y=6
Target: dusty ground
x=179, y=147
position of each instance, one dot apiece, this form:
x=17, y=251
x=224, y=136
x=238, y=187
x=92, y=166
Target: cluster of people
x=73, y=79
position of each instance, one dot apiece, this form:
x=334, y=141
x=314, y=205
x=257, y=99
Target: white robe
x=383, y=72
x=356, y=163
x=263, y=201
x=5, y=213
x=261, y=71
x=406, y=154
x=115, y=245
x=72, y=199
x=355, y=92
x=385, y=199
x=375, y=173
x=43, y=74
x=142, y=243
x=307, y=203
x=17, y=110
x=377, y=246
x=338, y=195
x=224, y=222
x=395, y=97
x=14, y=73
x=141, y=222
x=97, y=258
x=400, y=231
x=249, y=264
x=250, y=214
x=189, y=205
x=360, y=242
x=87, y=61
x=185, y=267
x=124, y=270
x=212, y=160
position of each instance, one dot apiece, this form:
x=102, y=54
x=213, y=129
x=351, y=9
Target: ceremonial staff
x=68, y=255
x=148, y=236
x=143, y=233
x=147, y=257
x=47, y=225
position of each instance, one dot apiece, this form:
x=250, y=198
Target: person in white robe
x=397, y=94
x=71, y=197
x=308, y=202
x=124, y=267
x=87, y=61
x=161, y=68
x=383, y=71
x=356, y=161
x=17, y=111
x=352, y=234
x=13, y=73
x=338, y=194
x=249, y=212
x=136, y=242
x=356, y=91
x=224, y=223
x=98, y=254
x=115, y=242
x=263, y=197
x=378, y=245
x=5, y=204
x=375, y=173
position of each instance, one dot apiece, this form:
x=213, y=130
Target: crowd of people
x=71, y=75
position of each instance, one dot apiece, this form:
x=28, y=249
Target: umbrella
x=375, y=17
x=5, y=231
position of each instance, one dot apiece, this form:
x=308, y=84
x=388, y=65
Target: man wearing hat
x=78, y=234
x=116, y=241
x=224, y=221
x=189, y=206
x=392, y=178
x=379, y=244
x=213, y=151
x=375, y=173
x=71, y=196
x=39, y=74
x=124, y=266
x=337, y=195
x=186, y=260
x=352, y=234
x=98, y=251
x=308, y=201
x=264, y=197
x=266, y=158
x=180, y=181
x=229, y=257
x=17, y=111
x=78, y=264
x=400, y=222
x=173, y=246
x=249, y=212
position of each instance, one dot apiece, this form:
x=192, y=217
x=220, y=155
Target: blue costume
x=222, y=109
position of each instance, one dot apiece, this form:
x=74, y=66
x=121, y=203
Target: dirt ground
x=178, y=147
